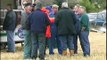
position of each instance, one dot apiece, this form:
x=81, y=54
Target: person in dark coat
x=65, y=22
x=77, y=27
x=9, y=25
x=38, y=21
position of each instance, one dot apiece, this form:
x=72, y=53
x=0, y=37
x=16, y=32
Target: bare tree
x=47, y=2
x=59, y=2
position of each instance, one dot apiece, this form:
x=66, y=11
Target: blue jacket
x=38, y=21
x=53, y=26
x=78, y=25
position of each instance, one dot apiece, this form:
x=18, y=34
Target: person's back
x=38, y=21
x=67, y=21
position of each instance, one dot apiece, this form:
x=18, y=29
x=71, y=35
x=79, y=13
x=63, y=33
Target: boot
x=71, y=52
x=64, y=52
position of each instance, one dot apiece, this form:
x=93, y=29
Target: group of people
x=45, y=25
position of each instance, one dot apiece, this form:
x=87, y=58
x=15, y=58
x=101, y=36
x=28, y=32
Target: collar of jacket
x=65, y=8
x=38, y=9
x=9, y=10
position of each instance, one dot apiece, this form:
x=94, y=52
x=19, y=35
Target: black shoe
x=33, y=58
x=42, y=59
x=75, y=53
x=10, y=51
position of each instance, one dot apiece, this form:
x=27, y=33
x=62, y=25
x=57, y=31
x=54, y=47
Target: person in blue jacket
x=77, y=27
x=37, y=22
x=54, y=37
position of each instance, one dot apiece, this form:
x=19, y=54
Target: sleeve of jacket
x=84, y=21
x=57, y=18
x=47, y=20
x=22, y=18
x=28, y=22
x=15, y=18
x=74, y=18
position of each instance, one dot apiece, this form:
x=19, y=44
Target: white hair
x=65, y=4
x=82, y=7
x=55, y=6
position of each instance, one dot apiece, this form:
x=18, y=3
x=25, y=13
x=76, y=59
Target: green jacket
x=85, y=22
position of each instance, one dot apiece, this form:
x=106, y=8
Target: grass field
x=98, y=50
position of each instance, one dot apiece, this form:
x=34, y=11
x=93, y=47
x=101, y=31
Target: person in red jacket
x=53, y=39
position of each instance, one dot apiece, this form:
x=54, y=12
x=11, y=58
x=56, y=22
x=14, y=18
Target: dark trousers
x=38, y=43
x=59, y=46
x=75, y=41
x=67, y=42
x=84, y=41
x=51, y=42
x=51, y=45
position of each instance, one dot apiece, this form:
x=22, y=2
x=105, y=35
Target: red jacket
x=48, y=29
x=52, y=20
x=48, y=32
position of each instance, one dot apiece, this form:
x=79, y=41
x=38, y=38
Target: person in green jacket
x=85, y=27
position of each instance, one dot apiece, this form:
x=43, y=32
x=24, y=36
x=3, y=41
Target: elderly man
x=54, y=37
x=65, y=21
x=38, y=21
x=27, y=42
x=84, y=40
x=77, y=27
x=54, y=29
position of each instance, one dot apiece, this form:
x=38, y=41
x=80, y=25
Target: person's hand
x=83, y=28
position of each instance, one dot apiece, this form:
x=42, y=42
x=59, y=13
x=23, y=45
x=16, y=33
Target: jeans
x=10, y=41
x=38, y=40
x=27, y=44
x=59, y=46
x=67, y=42
x=84, y=41
x=51, y=45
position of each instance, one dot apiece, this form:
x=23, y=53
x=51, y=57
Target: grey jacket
x=24, y=20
